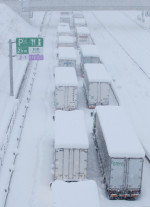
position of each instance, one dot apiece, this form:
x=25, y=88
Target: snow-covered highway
x=124, y=49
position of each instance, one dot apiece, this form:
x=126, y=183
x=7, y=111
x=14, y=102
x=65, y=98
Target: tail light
x=134, y=195
x=124, y=195
x=113, y=195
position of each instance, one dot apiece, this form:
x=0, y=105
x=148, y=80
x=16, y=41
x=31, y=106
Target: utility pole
x=11, y=68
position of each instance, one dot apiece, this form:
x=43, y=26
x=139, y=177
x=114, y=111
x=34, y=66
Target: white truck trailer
x=97, y=83
x=65, y=19
x=66, y=41
x=89, y=54
x=61, y=24
x=75, y=194
x=80, y=22
x=83, y=36
x=120, y=152
x=64, y=31
x=71, y=146
x=66, y=88
x=77, y=14
x=67, y=57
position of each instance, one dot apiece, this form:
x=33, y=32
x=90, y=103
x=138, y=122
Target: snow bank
x=75, y=194
x=120, y=138
x=65, y=76
x=12, y=26
x=70, y=130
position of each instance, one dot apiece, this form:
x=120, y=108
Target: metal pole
x=11, y=68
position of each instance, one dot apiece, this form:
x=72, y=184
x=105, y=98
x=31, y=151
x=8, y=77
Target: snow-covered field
x=124, y=48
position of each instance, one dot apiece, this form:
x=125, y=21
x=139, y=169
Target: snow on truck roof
x=67, y=53
x=63, y=24
x=75, y=194
x=89, y=51
x=82, y=30
x=66, y=39
x=65, y=76
x=120, y=138
x=77, y=14
x=79, y=21
x=70, y=130
x=63, y=29
x=96, y=73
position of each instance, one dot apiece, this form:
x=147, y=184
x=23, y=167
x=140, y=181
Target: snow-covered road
x=34, y=166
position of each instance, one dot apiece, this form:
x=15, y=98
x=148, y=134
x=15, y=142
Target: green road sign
x=23, y=44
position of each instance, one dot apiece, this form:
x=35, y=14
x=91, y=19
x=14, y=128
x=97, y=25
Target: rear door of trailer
x=93, y=91
x=117, y=174
x=72, y=97
x=71, y=164
x=59, y=156
x=103, y=93
x=134, y=173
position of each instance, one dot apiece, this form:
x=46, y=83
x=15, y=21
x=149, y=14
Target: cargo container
x=83, y=35
x=75, y=194
x=97, y=84
x=80, y=22
x=67, y=18
x=71, y=145
x=64, y=31
x=66, y=88
x=67, y=57
x=66, y=41
x=89, y=54
x=77, y=14
x=61, y=24
x=120, y=153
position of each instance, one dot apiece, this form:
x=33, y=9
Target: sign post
x=11, y=68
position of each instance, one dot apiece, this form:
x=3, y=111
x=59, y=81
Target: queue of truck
x=120, y=154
